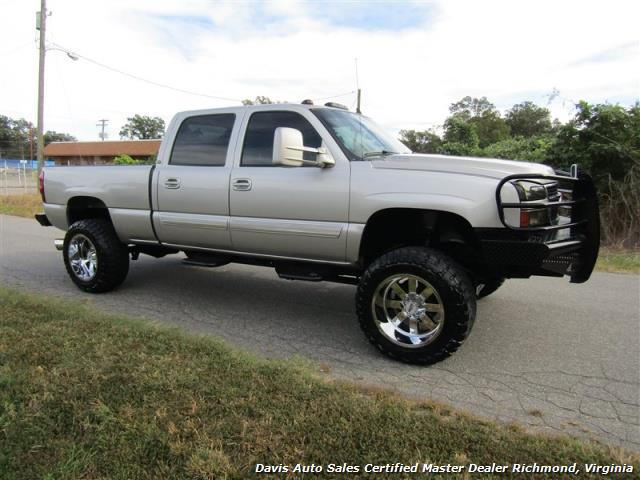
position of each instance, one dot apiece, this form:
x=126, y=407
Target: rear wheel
x=416, y=304
x=95, y=258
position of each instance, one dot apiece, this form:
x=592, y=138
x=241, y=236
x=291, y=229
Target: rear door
x=193, y=183
x=299, y=212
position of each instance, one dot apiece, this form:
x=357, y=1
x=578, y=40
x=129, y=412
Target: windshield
x=358, y=136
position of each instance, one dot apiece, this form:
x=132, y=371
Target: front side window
x=203, y=140
x=258, y=140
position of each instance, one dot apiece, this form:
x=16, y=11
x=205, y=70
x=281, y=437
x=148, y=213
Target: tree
x=458, y=130
x=18, y=138
x=260, y=100
x=527, y=119
x=533, y=149
x=142, y=127
x=15, y=137
x=425, y=141
x=604, y=139
x=51, y=136
x=489, y=126
x=460, y=137
x=6, y=136
x=470, y=107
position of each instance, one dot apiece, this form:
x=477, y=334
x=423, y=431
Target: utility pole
x=358, y=104
x=102, y=123
x=41, y=22
x=31, y=142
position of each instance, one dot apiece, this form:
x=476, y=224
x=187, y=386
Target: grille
x=552, y=191
x=553, y=196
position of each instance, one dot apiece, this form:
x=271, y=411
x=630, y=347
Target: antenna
x=358, y=88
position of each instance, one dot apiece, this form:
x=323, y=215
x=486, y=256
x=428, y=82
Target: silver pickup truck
x=321, y=193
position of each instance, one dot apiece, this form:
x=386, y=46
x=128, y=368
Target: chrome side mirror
x=288, y=149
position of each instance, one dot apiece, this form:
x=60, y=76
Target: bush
x=128, y=160
x=620, y=211
x=533, y=149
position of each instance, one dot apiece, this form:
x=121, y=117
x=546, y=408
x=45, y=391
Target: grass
x=618, y=261
x=88, y=395
x=22, y=205
x=27, y=205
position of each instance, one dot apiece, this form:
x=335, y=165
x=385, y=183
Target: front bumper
x=569, y=248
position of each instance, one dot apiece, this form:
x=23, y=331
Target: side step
x=314, y=273
x=299, y=275
x=205, y=260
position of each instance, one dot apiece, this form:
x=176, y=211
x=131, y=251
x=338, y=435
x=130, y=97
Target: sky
x=411, y=59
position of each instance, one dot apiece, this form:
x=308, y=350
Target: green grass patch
x=89, y=395
x=22, y=205
x=617, y=261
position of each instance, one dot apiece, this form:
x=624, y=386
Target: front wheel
x=416, y=304
x=95, y=258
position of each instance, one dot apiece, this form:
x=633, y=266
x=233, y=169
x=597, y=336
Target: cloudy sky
x=414, y=57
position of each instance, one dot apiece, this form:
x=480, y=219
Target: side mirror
x=288, y=149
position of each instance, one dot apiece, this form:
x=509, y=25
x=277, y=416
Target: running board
x=206, y=260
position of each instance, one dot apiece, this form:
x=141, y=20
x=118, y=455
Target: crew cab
x=321, y=193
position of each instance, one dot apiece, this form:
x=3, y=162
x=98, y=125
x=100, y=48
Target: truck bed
x=124, y=190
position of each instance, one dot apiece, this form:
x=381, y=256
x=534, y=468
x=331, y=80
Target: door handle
x=172, y=183
x=241, y=184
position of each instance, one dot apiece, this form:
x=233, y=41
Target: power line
x=170, y=87
x=335, y=96
x=141, y=79
x=15, y=49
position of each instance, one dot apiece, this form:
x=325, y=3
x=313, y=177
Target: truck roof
x=268, y=106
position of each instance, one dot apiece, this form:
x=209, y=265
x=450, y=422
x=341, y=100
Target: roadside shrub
x=128, y=160
x=532, y=149
x=620, y=210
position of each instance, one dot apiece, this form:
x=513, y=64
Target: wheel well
x=82, y=208
x=401, y=227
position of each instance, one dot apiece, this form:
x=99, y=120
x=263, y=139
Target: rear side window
x=258, y=141
x=203, y=140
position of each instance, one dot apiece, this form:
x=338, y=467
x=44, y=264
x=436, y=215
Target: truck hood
x=484, y=167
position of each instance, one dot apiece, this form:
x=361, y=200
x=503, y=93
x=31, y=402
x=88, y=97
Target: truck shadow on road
x=253, y=308
x=247, y=303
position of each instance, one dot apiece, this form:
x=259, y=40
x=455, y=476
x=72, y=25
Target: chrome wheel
x=83, y=258
x=408, y=310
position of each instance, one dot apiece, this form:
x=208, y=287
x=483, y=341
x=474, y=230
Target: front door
x=298, y=212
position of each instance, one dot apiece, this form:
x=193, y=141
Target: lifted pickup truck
x=321, y=193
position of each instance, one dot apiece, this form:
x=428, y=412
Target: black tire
x=489, y=287
x=112, y=255
x=454, y=289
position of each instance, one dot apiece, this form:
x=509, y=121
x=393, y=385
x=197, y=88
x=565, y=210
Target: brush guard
x=563, y=248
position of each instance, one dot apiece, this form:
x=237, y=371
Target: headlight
x=530, y=191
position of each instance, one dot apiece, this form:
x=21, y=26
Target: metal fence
x=19, y=176
x=23, y=164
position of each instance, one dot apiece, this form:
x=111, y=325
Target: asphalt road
x=551, y=355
